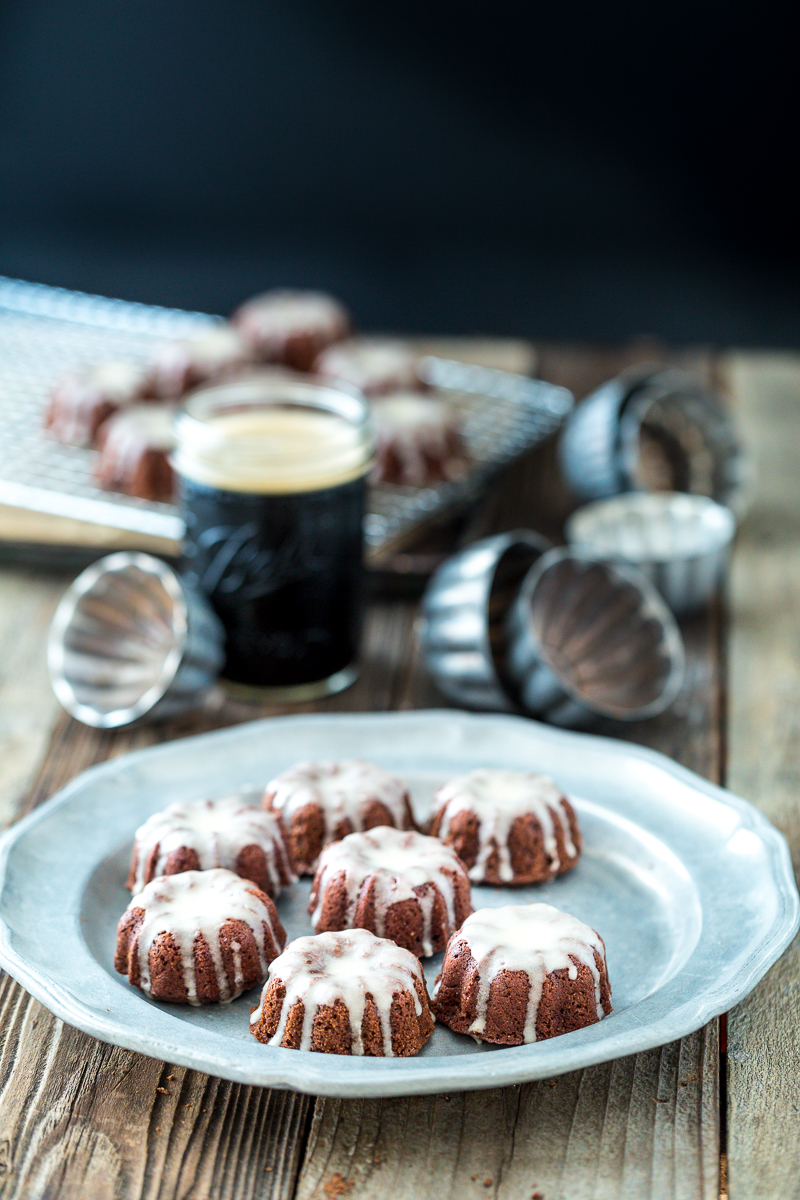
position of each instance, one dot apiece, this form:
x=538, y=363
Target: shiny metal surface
x=691, y=888
x=653, y=430
x=129, y=640
x=462, y=627
x=680, y=542
x=588, y=638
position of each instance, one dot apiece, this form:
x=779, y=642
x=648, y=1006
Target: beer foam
x=272, y=450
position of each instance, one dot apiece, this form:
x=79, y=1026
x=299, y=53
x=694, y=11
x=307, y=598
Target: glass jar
x=272, y=474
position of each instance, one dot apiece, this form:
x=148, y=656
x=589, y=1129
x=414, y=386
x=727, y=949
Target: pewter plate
x=691, y=888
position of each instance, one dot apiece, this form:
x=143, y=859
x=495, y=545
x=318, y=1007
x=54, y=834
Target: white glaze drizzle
x=287, y=313
x=342, y=788
x=200, y=903
x=345, y=966
x=216, y=830
x=209, y=354
x=371, y=364
x=400, y=861
x=132, y=432
x=76, y=396
x=535, y=938
x=418, y=430
x=498, y=798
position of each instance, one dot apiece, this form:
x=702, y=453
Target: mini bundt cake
x=198, y=835
x=198, y=937
x=522, y=973
x=419, y=439
x=134, y=446
x=82, y=400
x=291, y=327
x=373, y=365
x=321, y=802
x=508, y=827
x=213, y=354
x=398, y=884
x=345, y=993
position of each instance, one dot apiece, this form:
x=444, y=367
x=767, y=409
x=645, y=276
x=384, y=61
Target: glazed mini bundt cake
x=522, y=973
x=398, y=884
x=508, y=827
x=210, y=355
x=83, y=399
x=419, y=439
x=198, y=937
x=373, y=365
x=345, y=993
x=134, y=448
x=321, y=802
x=291, y=327
x=198, y=835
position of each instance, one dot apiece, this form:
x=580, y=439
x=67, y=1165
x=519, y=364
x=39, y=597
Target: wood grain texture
x=637, y=1127
x=764, y=766
x=79, y=1118
x=28, y=707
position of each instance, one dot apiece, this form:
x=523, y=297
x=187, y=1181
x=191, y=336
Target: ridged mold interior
x=118, y=640
x=677, y=443
x=593, y=629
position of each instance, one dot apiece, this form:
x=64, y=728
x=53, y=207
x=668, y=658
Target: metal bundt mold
x=680, y=542
x=129, y=640
x=653, y=430
x=462, y=630
x=587, y=638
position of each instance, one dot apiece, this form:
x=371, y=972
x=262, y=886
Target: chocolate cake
x=508, y=827
x=291, y=327
x=419, y=439
x=83, y=399
x=198, y=937
x=398, y=884
x=522, y=973
x=135, y=445
x=345, y=993
x=217, y=352
x=321, y=802
x=373, y=365
x=198, y=835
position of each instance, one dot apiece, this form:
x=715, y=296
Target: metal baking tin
x=462, y=626
x=599, y=447
x=129, y=640
x=680, y=542
x=587, y=638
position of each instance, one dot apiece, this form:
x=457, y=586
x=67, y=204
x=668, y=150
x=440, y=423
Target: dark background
x=560, y=171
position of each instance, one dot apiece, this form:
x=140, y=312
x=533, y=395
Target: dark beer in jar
x=272, y=473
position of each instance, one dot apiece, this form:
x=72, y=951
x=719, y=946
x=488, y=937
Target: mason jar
x=272, y=473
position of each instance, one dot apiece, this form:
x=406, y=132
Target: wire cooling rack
x=46, y=331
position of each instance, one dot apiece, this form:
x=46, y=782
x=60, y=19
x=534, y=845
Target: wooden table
x=714, y=1113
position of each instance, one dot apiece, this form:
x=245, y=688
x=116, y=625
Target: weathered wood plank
x=637, y=1127
x=79, y=1118
x=764, y=765
x=28, y=708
